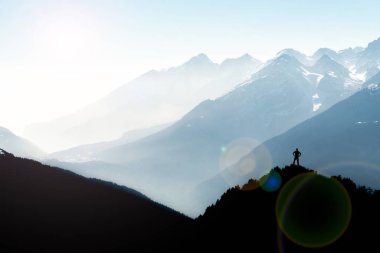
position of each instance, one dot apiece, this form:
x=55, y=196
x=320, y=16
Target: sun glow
x=65, y=36
x=65, y=55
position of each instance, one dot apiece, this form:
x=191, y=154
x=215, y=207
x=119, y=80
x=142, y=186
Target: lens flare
x=313, y=210
x=237, y=163
x=271, y=182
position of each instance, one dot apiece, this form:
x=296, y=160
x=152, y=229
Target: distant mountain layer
x=155, y=98
x=19, y=146
x=90, y=152
x=46, y=209
x=159, y=97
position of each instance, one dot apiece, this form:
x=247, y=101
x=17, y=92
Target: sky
x=56, y=56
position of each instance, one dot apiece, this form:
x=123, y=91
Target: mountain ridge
x=47, y=209
x=156, y=97
x=18, y=145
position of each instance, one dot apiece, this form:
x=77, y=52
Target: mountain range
x=188, y=163
x=155, y=98
x=173, y=165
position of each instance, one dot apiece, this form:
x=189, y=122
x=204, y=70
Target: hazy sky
x=57, y=56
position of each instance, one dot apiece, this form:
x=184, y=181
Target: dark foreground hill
x=46, y=209
x=315, y=213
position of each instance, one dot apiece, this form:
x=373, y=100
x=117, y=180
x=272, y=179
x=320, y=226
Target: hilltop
x=293, y=209
x=315, y=213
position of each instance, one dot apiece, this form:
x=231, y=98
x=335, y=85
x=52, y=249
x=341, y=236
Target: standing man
x=296, y=155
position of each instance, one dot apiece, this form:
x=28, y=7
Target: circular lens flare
x=271, y=182
x=237, y=162
x=313, y=210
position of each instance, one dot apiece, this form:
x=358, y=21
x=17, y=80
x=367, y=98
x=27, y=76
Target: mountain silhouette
x=47, y=209
x=245, y=217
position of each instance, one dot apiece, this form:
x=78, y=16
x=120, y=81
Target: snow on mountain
x=312, y=76
x=361, y=77
x=169, y=165
x=155, y=98
x=164, y=96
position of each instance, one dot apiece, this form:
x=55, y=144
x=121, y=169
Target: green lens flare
x=313, y=210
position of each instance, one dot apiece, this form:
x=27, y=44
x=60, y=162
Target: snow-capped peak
x=356, y=75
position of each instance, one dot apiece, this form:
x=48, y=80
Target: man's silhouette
x=296, y=155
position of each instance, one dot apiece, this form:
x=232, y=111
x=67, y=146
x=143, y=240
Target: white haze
x=155, y=98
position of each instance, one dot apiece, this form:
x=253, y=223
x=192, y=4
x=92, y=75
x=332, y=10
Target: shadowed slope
x=46, y=209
